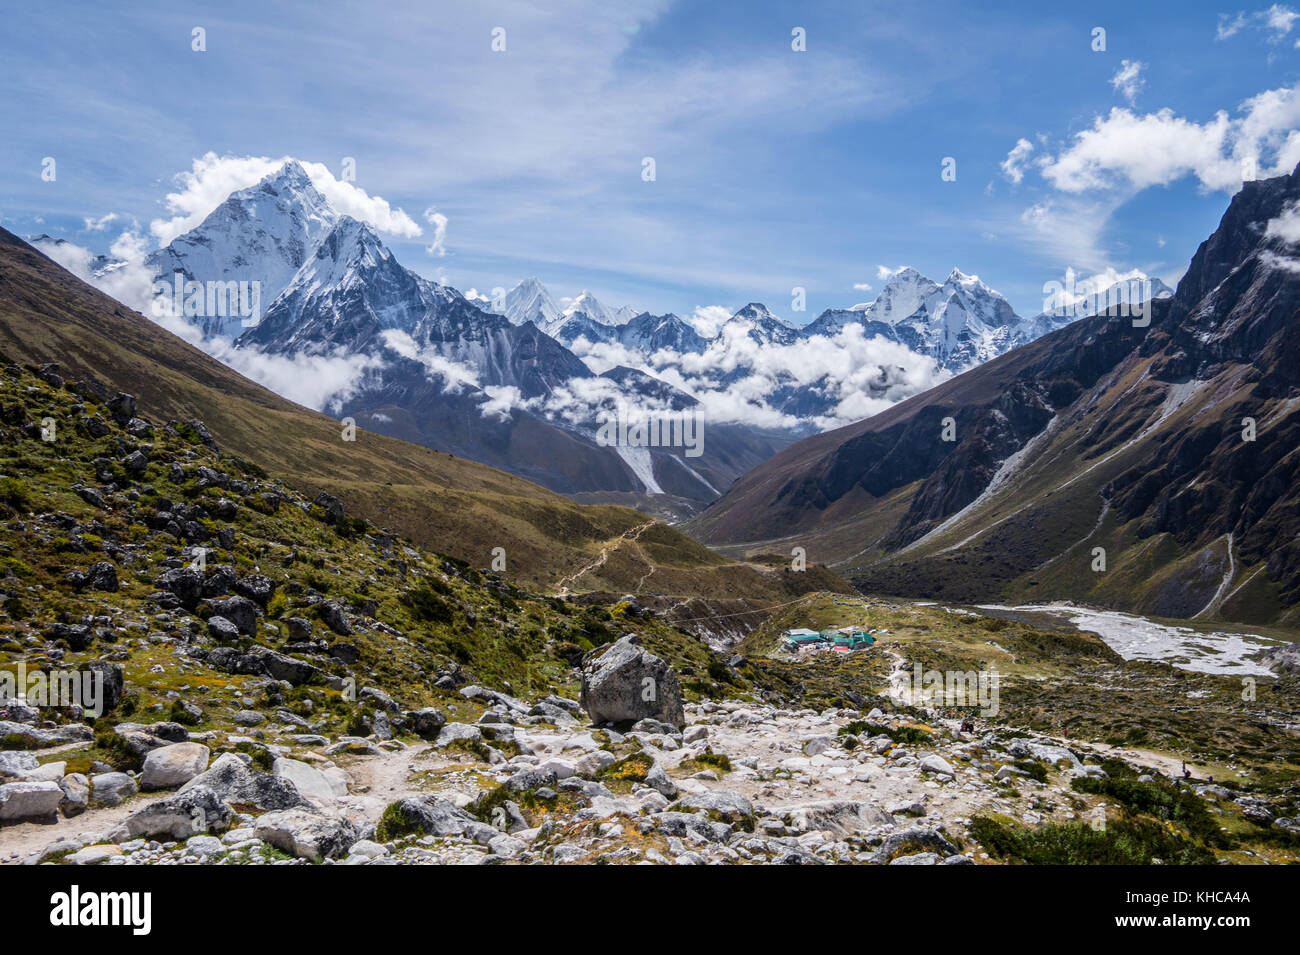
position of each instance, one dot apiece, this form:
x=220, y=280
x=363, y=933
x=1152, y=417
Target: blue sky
x=774, y=168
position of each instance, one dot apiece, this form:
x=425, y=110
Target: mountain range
x=526, y=387
x=1146, y=464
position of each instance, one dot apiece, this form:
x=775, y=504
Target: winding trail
x=631, y=534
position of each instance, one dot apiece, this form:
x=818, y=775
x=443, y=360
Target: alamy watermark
x=230, y=299
x=957, y=688
x=54, y=688
x=1127, y=298
x=628, y=426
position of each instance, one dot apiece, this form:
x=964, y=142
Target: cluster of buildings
x=842, y=640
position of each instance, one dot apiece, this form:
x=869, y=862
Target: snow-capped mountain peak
x=263, y=233
x=529, y=301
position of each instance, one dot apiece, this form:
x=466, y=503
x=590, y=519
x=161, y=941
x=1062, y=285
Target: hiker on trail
x=1187, y=773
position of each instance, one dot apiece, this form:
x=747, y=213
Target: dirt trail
x=631, y=534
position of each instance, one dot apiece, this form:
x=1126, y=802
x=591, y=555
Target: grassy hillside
x=451, y=505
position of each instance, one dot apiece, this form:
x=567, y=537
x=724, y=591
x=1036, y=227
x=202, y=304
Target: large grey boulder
x=29, y=800
x=626, y=684
x=110, y=789
x=435, y=816
x=308, y=835
x=426, y=722
x=174, y=765
x=236, y=782
x=191, y=813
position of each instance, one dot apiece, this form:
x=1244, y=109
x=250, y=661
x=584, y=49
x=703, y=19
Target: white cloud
x=707, y=319
x=736, y=378
x=862, y=286
x=100, y=224
x=212, y=178
x=1276, y=21
x=439, y=222
x=1013, y=165
x=1125, y=149
x=884, y=272
x=1286, y=226
x=455, y=375
x=1127, y=80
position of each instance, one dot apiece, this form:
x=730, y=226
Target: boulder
x=236, y=782
x=29, y=800
x=433, y=816
x=76, y=794
x=426, y=723
x=308, y=835
x=626, y=684
x=174, y=765
x=183, y=583
x=110, y=789
x=240, y=611
x=192, y=813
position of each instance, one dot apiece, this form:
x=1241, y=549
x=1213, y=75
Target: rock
x=29, y=800
x=433, y=816
x=295, y=672
x=121, y=406
x=901, y=843
x=256, y=587
x=919, y=858
x=219, y=628
x=695, y=734
x=48, y=773
x=103, y=576
x=626, y=683
x=332, y=506
x=110, y=682
x=136, y=462
x=15, y=764
x=38, y=738
x=249, y=718
x=110, y=789
x=934, y=763
x=309, y=781
x=240, y=611
x=300, y=630
x=841, y=817
x=183, y=583
x=1008, y=772
x=76, y=794
x=426, y=723
x=1047, y=752
x=93, y=855
x=77, y=636
x=720, y=805
x=453, y=732
x=379, y=698
x=658, y=780
x=333, y=616
x=188, y=813
x=507, y=846
x=174, y=765
x=235, y=781
x=307, y=834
